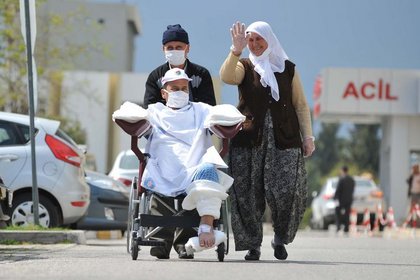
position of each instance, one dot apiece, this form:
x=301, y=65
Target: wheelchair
x=142, y=224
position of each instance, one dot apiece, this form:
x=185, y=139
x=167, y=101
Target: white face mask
x=176, y=57
x=177, y=99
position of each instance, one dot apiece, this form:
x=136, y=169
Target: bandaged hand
x=206, y=236
x=308, y=146
x=238, y=38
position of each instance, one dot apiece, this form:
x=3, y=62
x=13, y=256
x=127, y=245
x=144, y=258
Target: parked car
x=108, y=209
x=63, y=191
x=366, y=196
x=125, y=167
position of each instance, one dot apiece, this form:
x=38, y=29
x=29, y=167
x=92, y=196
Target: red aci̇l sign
x=370, y=91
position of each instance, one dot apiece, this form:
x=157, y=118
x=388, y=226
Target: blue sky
x=315, y=34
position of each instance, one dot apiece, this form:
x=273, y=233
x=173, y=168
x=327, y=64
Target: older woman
x=266, y=157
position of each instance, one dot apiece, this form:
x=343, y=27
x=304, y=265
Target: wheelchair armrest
x=226, y=131
x=137, y=129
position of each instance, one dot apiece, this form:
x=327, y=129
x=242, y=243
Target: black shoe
x=159, y=252
x=253, y=255
x=279, y=251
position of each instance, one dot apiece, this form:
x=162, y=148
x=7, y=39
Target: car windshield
x=363, y=184
x=129, y=161
x=360, y=183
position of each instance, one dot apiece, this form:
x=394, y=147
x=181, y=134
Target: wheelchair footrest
x=150, y=242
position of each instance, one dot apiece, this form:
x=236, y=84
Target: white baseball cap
x=173, y=75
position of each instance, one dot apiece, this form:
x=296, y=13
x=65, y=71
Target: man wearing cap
x=176, y=47
x=183, y=160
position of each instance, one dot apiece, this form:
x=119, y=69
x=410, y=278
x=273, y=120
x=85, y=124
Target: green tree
x=327, y=148
x=51, y=58
x=13, y=95
x=364, y=148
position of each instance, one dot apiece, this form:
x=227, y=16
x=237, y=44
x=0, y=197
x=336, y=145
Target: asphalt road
x=313, y=255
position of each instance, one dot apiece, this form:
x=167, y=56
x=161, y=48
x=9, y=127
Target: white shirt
x=178, y=144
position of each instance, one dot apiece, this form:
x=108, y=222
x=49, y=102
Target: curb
x=104, y=234
x=45, y=237
x=402, y=233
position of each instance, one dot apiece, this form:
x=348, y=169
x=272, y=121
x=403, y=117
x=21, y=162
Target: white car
x=125, y=167
x=63, y=192
x=366, y=196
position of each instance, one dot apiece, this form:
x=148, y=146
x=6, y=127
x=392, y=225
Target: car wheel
x=323, y=224
x=21, y=213
x=313, y=224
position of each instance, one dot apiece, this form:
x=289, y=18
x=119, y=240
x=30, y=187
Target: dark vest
x=255, y=100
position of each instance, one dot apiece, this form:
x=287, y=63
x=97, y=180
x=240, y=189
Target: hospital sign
x=366, y=92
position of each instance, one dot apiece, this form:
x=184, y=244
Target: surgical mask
x=176, y=57
x=177, y=99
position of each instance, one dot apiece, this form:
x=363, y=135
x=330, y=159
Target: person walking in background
x=344, y=196
x=266, y=156
x=176, y=47
x=414, y=186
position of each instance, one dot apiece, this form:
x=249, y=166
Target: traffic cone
x=390, y=219
x=412, y=220
x=378, y=219
x=414, y=217
x=407, y=221
x=353, y=221
x=366, y=221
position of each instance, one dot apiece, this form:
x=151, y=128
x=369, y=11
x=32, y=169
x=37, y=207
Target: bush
x=306, y=218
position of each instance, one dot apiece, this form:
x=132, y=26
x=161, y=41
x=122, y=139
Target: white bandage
x=204, y=228
x=193, y=244
x=130, y=112
x=206, y=196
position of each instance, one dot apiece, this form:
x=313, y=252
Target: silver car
x=63, y=192
x=125, y=167
x=366, y=196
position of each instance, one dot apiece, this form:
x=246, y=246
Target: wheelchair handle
x=226, y=133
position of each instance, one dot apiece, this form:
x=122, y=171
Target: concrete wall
x=106, y=31
x=91, y=107
x=400, y=136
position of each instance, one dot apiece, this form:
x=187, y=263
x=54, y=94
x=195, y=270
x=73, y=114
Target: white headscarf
x=271, y=60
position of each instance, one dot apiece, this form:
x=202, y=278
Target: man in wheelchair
x=183, y=161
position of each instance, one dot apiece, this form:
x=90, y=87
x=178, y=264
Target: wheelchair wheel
x=134, y=250
x=133, y=212
x=221, y=252
x=225, y=224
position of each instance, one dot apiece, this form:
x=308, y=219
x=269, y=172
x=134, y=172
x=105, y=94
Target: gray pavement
x=313, y=255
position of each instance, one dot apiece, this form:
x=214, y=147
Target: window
x=24, y=130
x=8, y=135
x=14, y=134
